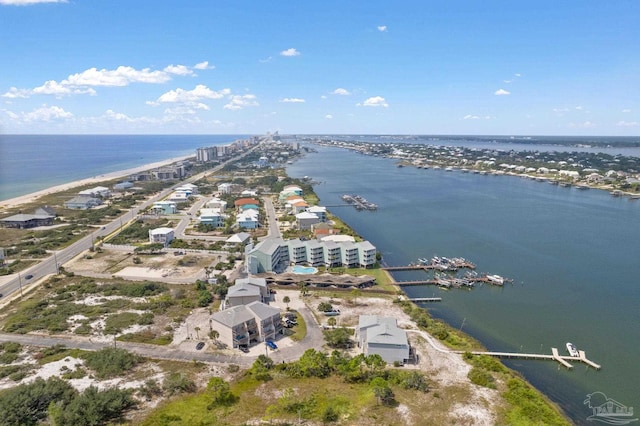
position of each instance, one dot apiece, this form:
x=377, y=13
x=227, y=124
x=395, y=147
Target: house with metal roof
x=23, y=221
x=161, y=235
x=82, y=202
x=242, y=294
x=381, y=335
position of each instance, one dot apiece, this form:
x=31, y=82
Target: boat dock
x=360, y=203
x=555, y=356
x=430, y=267
x=426, y=299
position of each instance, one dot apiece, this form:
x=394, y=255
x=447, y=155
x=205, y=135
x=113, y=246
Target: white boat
x=573, y=351
x=495, y=279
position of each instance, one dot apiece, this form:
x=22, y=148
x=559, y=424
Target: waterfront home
x=570, y=174
x=245, y=325
x=45, y=211
x=319, y=211
x=249, y=193
x=164, y=207
x=381, y=336
x=161, y=235
x=304, y=220
x=298, y=206
x=248, y=219
x=212, y=217
x=292, y=188
x=82, y=202
x=323, y=229
x=193, y=188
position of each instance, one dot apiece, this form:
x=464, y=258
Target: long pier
x=429, y=267
x=426, y=299
x=555, y=356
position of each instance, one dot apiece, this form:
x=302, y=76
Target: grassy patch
x=300, y=330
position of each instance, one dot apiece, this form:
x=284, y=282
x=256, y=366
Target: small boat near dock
x=573, y=351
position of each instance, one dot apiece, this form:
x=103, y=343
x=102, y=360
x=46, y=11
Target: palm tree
x=286, y=300
x=214, y=334
x=197, y=334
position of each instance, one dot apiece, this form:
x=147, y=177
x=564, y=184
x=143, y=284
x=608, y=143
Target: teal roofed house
x=249, y=206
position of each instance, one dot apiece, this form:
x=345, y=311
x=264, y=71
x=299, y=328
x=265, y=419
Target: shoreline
x=28, y=198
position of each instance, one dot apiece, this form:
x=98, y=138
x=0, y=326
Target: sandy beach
x=14, y=202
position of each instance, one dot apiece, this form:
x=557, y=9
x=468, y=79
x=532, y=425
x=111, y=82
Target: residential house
x=382, y=336
x=23, y=221
x=216, y=203
x=239, y=238
x=225, y=188
x=98, y=191
x=212, y=217
x=248, y=219
x=122, y=186
x=319, y=211
x=241, y=294
x=268, y=320
x=161, y=235
x=305, y=220
x=164, y=207
x=82, y=202
x=178, y=197
x=240, y=202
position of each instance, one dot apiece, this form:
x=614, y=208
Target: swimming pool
x=303, y=269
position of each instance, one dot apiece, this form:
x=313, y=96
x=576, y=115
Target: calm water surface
x=573, y=256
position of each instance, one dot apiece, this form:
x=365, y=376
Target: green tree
x=220, y=392
x=286, y=300
x=325, y=307
x=382, y=391
x=355, y=293
x=214, y=334
x=332, y=321
x=27, y=404
x=111, y=362
x=338, y=338
x=95, y=407
x=176, y=383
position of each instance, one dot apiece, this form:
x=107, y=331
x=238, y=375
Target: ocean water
x=573, y=256
x=30, y=163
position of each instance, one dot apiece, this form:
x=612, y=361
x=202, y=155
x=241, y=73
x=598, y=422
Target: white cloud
x=579, y=108
x=623, y=123
x=626, y=110
x=560, y=110
x=47, y=113
x=323, y=97
x=382, y=28
x=118, y=116
x=328, y=116
x=340, y=91
x=508, y=81
x=203, y=66
x=518, y=75
x=186, y=96
x=121, y=76
x=28, y=2
x=178, y=70
x=14, y=93
x=470, y=117
x=241, y=101
x=290, y=52
x=293, y=100
x=501, y=92
x=375, y=101
x=265, y=60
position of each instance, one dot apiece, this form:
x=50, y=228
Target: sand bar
x=28, y=198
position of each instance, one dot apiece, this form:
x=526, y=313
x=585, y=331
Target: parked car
x=244, y=348
x=200, y=345
x=271, y=345
x=28, y=277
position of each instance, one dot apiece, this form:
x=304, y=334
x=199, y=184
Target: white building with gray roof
x=381, y=335
x=245, y=325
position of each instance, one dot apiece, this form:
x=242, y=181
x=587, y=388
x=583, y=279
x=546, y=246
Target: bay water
x=574, y=257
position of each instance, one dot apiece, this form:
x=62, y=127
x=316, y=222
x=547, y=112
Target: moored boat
x=573, y=351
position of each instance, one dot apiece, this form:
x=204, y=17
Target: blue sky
x=395, y=67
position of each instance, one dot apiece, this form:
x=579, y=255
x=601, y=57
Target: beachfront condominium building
x=275, y=254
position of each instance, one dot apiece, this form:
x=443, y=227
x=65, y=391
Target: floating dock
x=360, y=203
x=555, y=356
x=426, y=299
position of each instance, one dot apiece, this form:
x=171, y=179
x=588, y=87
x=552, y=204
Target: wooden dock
x=555, y=356
x=429, y=267
x=426, y=299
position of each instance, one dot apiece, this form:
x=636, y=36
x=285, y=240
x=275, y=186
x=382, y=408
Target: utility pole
x=20, y=284
x=55, y=259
